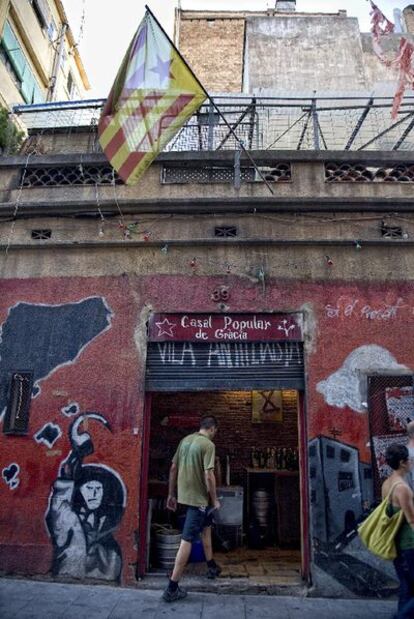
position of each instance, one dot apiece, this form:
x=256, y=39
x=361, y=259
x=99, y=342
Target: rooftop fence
x=260, y=123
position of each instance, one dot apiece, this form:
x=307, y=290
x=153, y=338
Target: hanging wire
x=17, y=204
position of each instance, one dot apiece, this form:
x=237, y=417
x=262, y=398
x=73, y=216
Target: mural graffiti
x=346, y=487
x=86, y=505
x=347, y=386
x=71, y=409
x=10, y=474
x=67, y=329
x=48, y=435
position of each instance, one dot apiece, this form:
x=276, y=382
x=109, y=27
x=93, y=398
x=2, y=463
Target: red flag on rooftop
x=153, y=95
x=403, y=62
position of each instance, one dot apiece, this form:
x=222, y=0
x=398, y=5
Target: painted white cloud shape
x=344, y=387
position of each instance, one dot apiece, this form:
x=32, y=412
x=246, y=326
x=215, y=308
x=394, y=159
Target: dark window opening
x=345, y=455
x=38, y=14
x=4, y=57
x=225, y=231
x=312, y=451
x=345, y=481
x=312, y=472
x=367, y=473
x=41, y=235
x=330, y=451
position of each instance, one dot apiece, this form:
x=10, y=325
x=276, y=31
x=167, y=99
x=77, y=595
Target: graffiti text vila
x=228, y=354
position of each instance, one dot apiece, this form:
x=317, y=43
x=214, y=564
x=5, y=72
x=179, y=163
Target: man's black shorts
x=196, y=519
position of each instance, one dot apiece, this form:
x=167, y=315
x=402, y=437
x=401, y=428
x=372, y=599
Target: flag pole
x=213, y=103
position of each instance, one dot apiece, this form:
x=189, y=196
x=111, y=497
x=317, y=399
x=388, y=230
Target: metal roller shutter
x=186, y=366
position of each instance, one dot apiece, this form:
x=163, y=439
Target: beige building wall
x=277, y=53
x=40, y=48
x=214, y=50
x=297, y=53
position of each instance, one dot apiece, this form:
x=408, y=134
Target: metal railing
x=261, y=123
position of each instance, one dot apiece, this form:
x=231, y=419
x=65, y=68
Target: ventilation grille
x=41, y=235
x=225, y=231
x=358, y=172
x=280, y=172
x=392, y=232
x=69, y=175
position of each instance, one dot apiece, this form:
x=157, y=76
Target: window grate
x=69, y=175
x=280, y=172
x=360, y=173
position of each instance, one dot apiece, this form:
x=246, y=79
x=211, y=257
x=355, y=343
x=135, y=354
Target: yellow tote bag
x=378, y=531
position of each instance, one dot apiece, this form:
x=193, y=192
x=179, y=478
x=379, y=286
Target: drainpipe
x=177, y=24
x=51, y=93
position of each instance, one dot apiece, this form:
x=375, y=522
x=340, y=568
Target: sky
x=106, y=35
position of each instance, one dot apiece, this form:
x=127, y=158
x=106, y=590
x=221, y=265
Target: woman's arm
x=406, y=500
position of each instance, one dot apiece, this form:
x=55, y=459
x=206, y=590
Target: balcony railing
x=260, y=123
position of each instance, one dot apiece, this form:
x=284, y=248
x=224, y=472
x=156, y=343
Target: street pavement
x=24, y=599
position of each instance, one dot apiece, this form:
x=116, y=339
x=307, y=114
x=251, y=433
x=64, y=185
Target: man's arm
x=172, y=486
x=211, y=487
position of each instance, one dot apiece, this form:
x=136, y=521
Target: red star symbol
x=165, y=327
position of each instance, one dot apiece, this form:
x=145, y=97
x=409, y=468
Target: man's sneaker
x=214, y=572
x=174, y=596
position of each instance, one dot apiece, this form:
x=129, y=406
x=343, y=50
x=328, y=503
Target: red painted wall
x=108, y=377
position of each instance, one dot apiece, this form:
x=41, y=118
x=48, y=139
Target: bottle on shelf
x=255, y=463
x=261, y=459
x=272, y=458
x=283, y=463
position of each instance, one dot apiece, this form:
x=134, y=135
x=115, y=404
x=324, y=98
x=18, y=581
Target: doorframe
x=143, y=490
x=304, y=488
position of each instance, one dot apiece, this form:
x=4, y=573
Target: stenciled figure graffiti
x=85, y=507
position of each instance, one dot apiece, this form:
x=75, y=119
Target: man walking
x=192, y=472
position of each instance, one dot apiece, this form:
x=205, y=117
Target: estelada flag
x=153, y=95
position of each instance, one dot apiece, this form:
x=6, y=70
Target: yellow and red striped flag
x=153, y=95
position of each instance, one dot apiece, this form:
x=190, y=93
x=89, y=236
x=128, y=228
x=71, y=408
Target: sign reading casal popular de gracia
x=225, y=327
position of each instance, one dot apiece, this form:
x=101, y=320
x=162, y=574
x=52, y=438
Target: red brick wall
x=236, y=435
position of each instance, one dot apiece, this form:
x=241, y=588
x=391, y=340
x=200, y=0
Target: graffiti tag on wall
x=354, y=307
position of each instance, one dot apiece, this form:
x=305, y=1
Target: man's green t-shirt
x=195, y=455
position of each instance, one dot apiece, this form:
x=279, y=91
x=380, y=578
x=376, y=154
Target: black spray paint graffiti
x=10, y=475
x=342, y=493
x=48, y=435
x=85, y=508
x=45, y=337
x=71, y=409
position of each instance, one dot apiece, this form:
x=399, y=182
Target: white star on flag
x=167, y=329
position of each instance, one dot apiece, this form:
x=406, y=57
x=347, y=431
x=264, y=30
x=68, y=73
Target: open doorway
x=257, y=533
